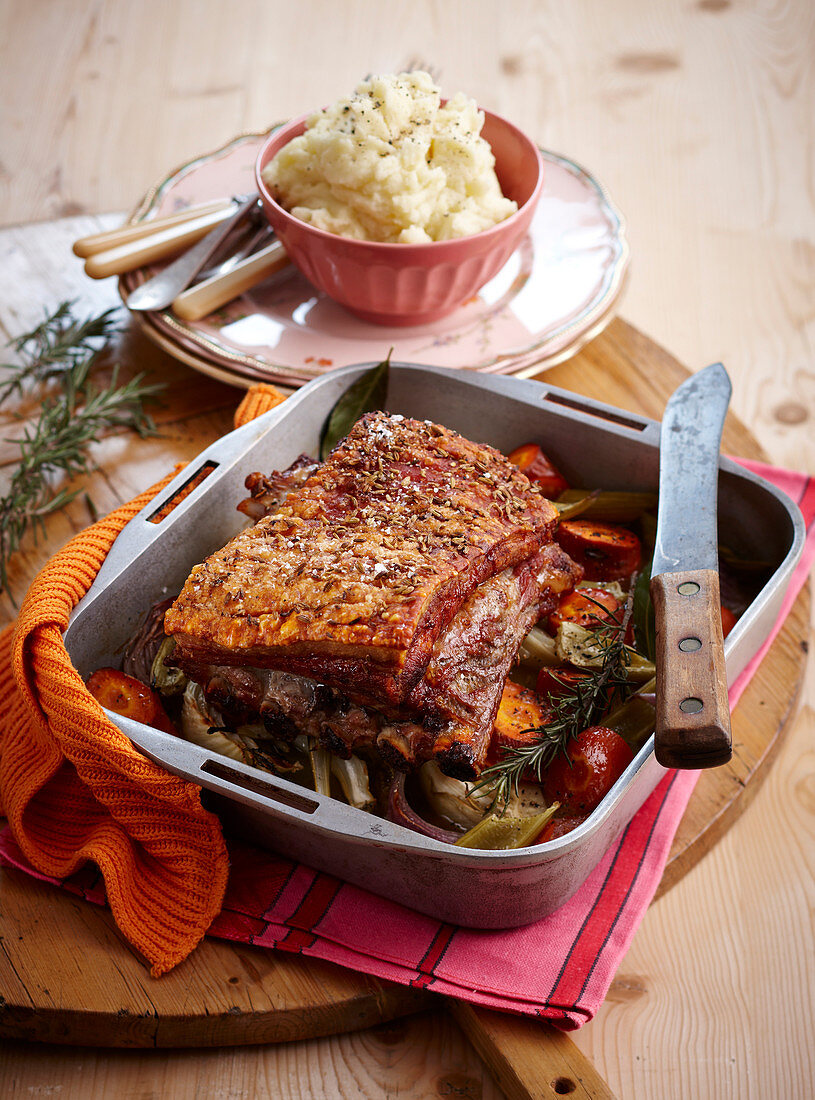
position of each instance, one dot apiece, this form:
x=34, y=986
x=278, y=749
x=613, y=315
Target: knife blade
x=162, y=289
x=692, y=711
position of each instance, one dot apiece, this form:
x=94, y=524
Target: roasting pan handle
x=630, y=423
x=217, y=773
x=182, y=491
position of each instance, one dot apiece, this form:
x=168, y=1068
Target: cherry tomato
x=554, y=683
x=596, y=759
x=728, y=620
x=540, y=470
x=581, y=607
x=129, y=697
x=606, y=551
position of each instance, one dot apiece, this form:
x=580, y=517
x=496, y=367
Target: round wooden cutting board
x=67, y=976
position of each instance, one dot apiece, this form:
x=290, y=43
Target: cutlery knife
x=692, y=711
x=160, y=291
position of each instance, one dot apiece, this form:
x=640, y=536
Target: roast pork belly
x=268, y=491
x=450, y=714
x=400, y=575
x=465, y=676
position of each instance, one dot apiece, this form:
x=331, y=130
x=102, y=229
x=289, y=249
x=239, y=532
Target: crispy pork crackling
x=383, y=601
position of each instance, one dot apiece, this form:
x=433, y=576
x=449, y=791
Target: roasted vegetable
x=197, y=724
x=556, y=683
x=321, y=768
x=634, y=720
x=587, y=649
x=140, y=654
x=129, y=697
x=402, y=813
x=163, y=677
x=503, y=831
x=538, y=649
x=643, y=614
x=606, y=551
x=520, y=715
x=608, y=507
x=352, y=775
x=540, y=470
x=585, y=606
x=451, y=799
x=591, y=765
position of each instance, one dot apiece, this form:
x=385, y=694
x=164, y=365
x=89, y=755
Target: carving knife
x=692, y=711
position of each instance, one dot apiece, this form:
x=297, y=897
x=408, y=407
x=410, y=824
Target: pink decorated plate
x=556, y=291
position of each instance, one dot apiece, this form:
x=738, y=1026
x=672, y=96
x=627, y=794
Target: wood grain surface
x=698, y=117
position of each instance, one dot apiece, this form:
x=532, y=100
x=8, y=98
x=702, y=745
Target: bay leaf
x=643, y=615
x=367, y=394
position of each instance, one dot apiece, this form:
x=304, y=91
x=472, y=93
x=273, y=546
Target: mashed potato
x=392, y=164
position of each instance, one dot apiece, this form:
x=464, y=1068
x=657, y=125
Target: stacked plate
x=555, y=293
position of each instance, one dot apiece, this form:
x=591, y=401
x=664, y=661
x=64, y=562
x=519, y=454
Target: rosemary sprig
x=57, y=442
x=581, y=704
x=57, y=344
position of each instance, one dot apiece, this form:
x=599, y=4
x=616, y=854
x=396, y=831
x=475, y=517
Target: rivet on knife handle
x=692, y=710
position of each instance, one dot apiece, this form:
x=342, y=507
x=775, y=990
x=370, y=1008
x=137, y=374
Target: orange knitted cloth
x=72, y=785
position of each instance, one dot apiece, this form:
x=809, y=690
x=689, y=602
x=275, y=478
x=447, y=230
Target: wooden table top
x=698, y=120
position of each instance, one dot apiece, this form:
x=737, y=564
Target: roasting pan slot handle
x=260, y=786
x=572, y=401
x=182, y=492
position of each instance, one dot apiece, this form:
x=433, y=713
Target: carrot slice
x=555, y=683
x=520, y=712
x=584, y=606
x=606, y=551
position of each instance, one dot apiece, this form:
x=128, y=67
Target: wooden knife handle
x=692, y=710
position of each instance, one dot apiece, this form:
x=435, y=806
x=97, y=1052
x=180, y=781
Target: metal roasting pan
x=595, y=445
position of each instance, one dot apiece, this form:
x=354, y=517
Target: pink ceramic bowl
x=410, y=284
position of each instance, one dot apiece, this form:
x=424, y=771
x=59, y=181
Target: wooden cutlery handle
x=211, y=294
x=125, y=234
x=154, y=246
x=692, y=710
